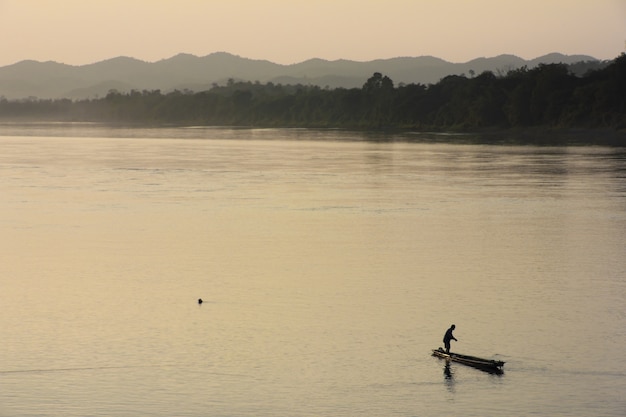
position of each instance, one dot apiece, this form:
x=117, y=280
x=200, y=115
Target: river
x=329, y=263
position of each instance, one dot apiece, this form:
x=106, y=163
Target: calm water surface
x=330, y=264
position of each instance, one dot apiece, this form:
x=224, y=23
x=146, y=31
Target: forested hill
x=188, y=72
x=544, y=96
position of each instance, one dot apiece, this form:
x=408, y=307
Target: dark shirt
x=448, y=336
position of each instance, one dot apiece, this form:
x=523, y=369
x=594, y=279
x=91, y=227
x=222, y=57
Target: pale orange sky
x=80, y=32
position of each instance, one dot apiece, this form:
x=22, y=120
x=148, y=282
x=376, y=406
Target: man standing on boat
x=448, y=337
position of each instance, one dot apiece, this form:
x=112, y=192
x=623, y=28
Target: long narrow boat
x=480, y=363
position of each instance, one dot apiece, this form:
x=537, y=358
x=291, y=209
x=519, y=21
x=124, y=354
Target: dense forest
x=544, y=96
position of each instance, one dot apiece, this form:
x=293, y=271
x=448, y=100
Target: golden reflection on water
x=328, y=270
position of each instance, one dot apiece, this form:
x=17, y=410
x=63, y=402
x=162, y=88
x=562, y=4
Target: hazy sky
x=80, y=32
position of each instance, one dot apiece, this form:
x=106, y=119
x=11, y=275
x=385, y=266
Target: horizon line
x=296, y=63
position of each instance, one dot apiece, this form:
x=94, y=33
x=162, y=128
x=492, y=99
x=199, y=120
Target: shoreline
x=535, y=135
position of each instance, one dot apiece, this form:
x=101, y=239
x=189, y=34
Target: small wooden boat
x=489, y=365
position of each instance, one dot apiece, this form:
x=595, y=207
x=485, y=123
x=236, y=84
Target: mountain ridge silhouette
x=52, y=80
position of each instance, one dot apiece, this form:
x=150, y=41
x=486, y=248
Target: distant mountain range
x=188, y=72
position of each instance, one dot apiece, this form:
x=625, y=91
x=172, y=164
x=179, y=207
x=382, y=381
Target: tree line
x=549, y=95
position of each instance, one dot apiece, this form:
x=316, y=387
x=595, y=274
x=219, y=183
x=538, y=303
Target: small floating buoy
x=200, y=301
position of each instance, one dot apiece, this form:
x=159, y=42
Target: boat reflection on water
x=492, y=371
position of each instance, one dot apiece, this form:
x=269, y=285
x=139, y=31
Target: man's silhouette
x=448, y=337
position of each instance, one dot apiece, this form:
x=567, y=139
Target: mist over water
x=330, y=264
